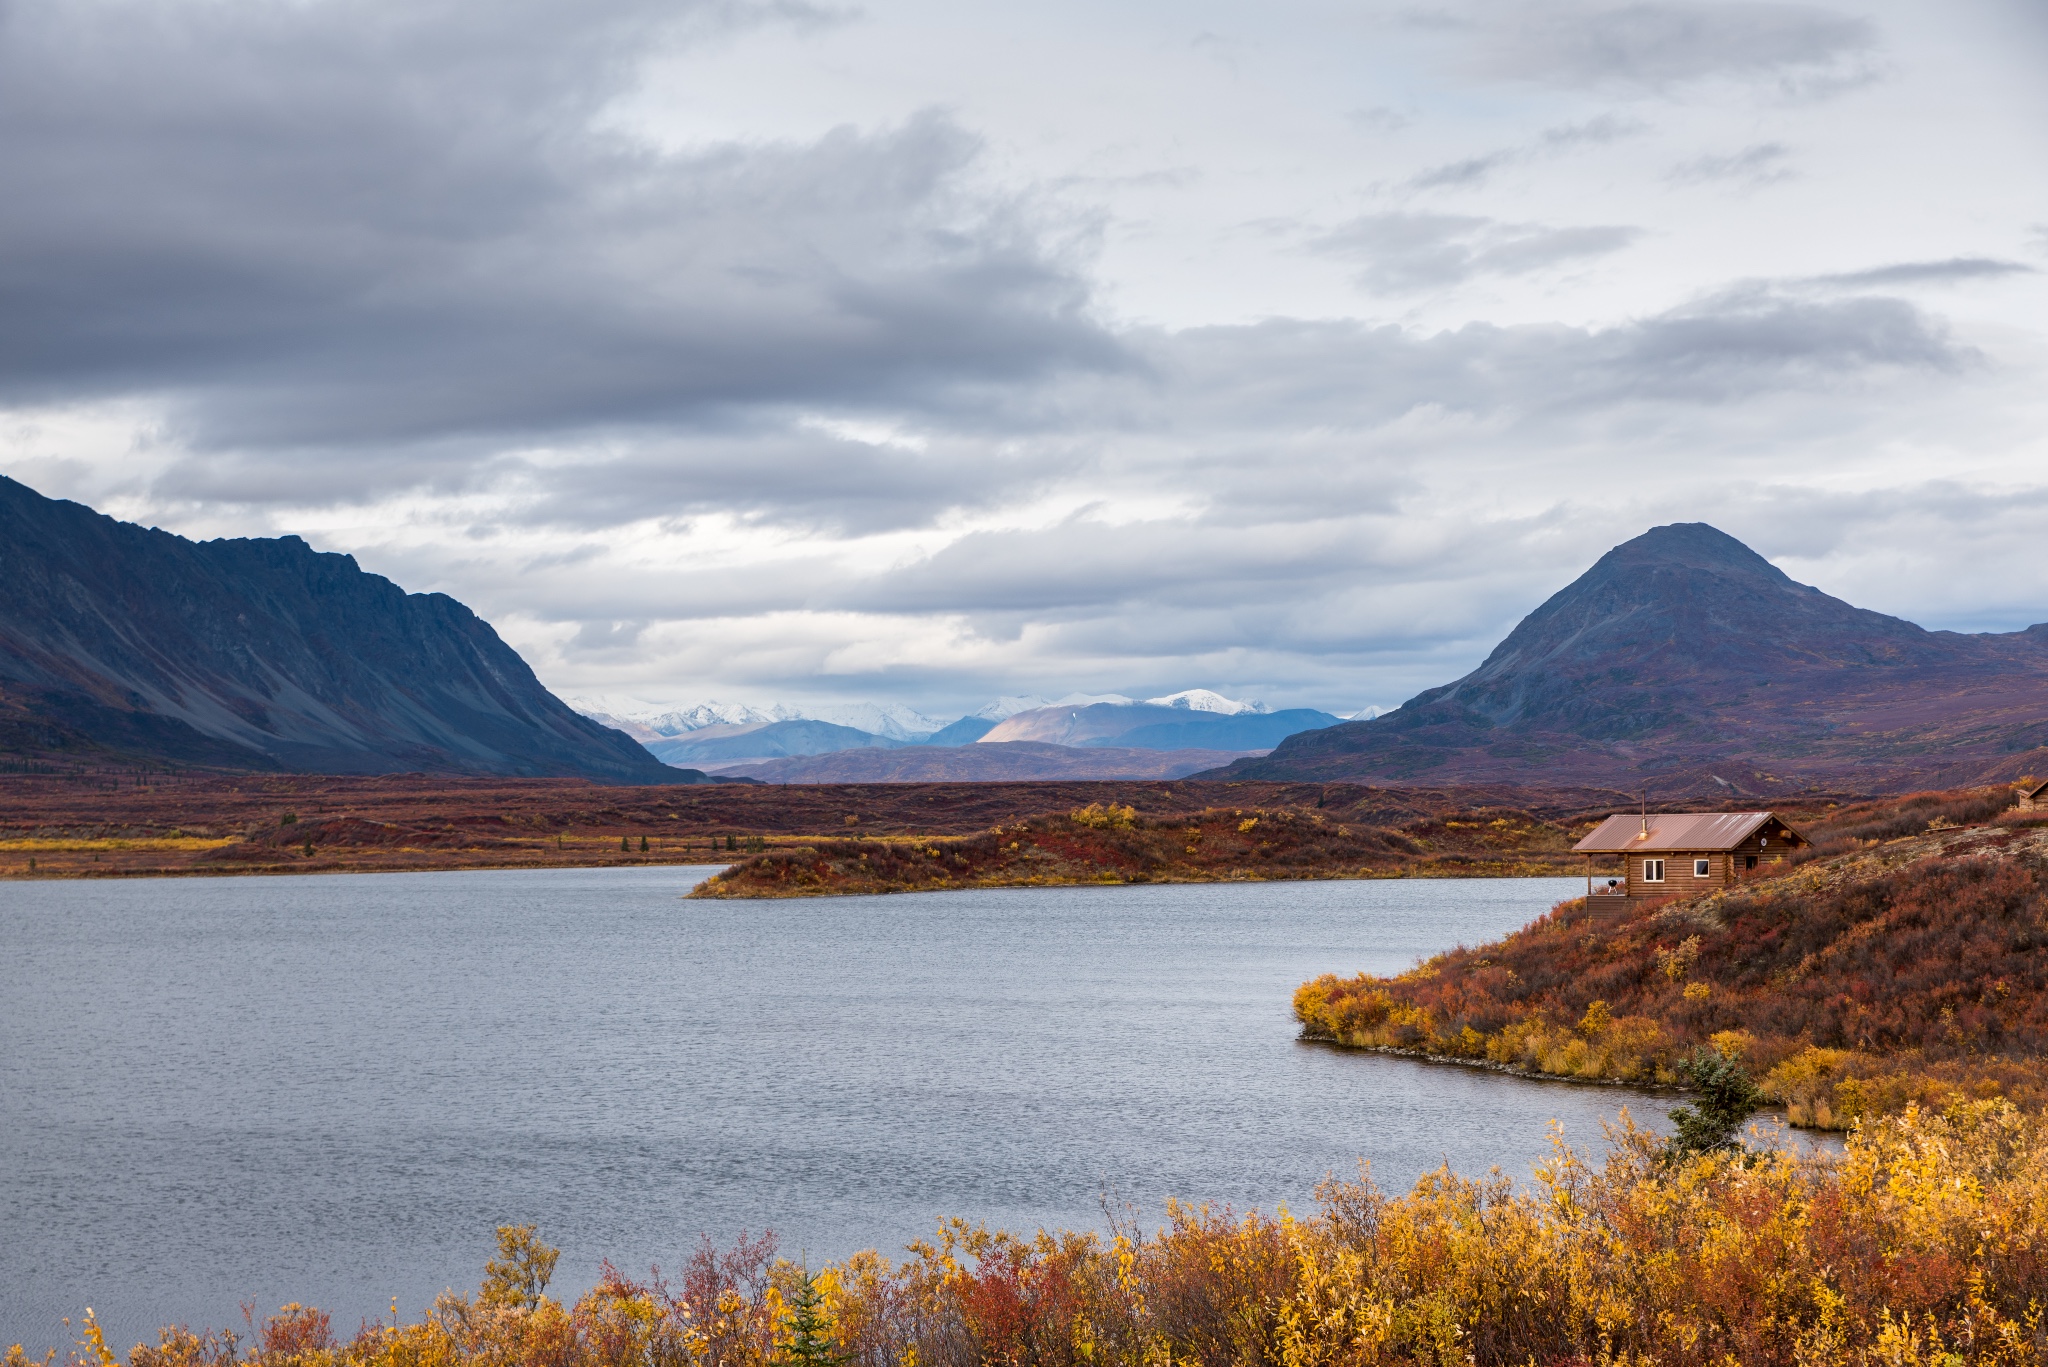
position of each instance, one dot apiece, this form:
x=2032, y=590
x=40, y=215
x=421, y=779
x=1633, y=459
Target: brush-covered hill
x=1905, y=960
x=1685, y=662
x=128, y=643
x=1107, y=843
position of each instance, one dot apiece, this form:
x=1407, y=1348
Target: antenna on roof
x=1645, y=796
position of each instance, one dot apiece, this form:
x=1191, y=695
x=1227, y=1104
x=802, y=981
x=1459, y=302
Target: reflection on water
x=330, y=1089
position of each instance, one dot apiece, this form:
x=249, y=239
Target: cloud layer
x=777, y=352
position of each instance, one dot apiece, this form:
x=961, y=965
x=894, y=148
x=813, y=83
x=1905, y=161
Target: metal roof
x=1673, y=831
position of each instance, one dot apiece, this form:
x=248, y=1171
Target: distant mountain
x=1153, y=726
x=1202, y=700
x=724, y=746
x=654, y=723
x=1683, y=660
x=647, y=721
x=120, y=642
x=966, y=731
x=1002, y=762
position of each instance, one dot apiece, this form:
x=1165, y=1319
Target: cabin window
x=1701, y=868
x=1749, y=862
x=1653, y=870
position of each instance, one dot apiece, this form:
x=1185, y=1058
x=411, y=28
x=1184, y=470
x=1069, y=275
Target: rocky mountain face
x=1684, y=661
x=126, y=643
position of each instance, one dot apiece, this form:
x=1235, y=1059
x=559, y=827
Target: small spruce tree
x=1727, y=1096
x=810, y=1331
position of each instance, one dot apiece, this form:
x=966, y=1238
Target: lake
x=332, y=1089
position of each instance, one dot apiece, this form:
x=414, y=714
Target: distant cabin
x=2034, y=798
x=1672, y=854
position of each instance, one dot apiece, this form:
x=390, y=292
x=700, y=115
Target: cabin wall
x=1724, y=869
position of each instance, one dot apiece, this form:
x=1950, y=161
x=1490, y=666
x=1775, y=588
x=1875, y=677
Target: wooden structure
x=1674, y=854
x=2034, y=799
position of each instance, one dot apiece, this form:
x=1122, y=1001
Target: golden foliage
x=1926, y=1243
x=1105, y=818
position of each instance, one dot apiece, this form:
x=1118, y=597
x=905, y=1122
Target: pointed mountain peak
x=1690, y=545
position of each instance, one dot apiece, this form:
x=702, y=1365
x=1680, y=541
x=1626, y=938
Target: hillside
x=1686, y=663
x=1107, y=843
x=119, y=641
x=1902, y=961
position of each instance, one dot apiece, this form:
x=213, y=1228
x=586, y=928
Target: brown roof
x=1674, y=831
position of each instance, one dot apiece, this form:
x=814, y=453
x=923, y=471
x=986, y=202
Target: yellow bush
x=1923, y=1244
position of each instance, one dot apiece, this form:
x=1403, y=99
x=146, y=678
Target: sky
x=919, y=352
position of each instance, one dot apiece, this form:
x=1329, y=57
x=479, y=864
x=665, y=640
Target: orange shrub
x=1926, y=1244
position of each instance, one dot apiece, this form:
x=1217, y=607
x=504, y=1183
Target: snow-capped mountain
x=650, y=722
x=1202, y=700
x=892, y=720
x=646, y=721
x=1008, y=706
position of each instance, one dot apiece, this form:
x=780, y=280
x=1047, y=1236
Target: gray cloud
x=1762, y=163
x=1594, y=132
x=1467, y=172
x=1551, y=142
x=400, y=224
x=1405, y=252
x=1955, y=270
x=1575, y=44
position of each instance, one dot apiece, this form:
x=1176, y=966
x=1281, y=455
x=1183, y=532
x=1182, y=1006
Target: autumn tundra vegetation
x=1924, y=1243
x=1117, y=843
x=149, y=824
x=1900, y=961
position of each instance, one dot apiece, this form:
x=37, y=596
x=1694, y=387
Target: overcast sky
x=923, y=350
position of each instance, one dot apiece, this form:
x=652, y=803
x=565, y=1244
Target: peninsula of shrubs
x=1116, y=843
x=1902, y=961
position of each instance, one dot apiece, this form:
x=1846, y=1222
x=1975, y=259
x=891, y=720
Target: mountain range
x=1198, y=727
x=123, y=643
x=1683, y=661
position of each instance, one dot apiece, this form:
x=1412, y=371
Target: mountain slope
x=1682, y=659
x=124, y=641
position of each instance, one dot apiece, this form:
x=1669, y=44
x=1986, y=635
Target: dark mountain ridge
x=1684, y=660
x=129, y=643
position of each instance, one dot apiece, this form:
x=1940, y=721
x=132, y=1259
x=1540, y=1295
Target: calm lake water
x=331, y=1089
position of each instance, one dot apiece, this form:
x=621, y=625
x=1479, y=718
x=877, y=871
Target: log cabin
x=1676, y=854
